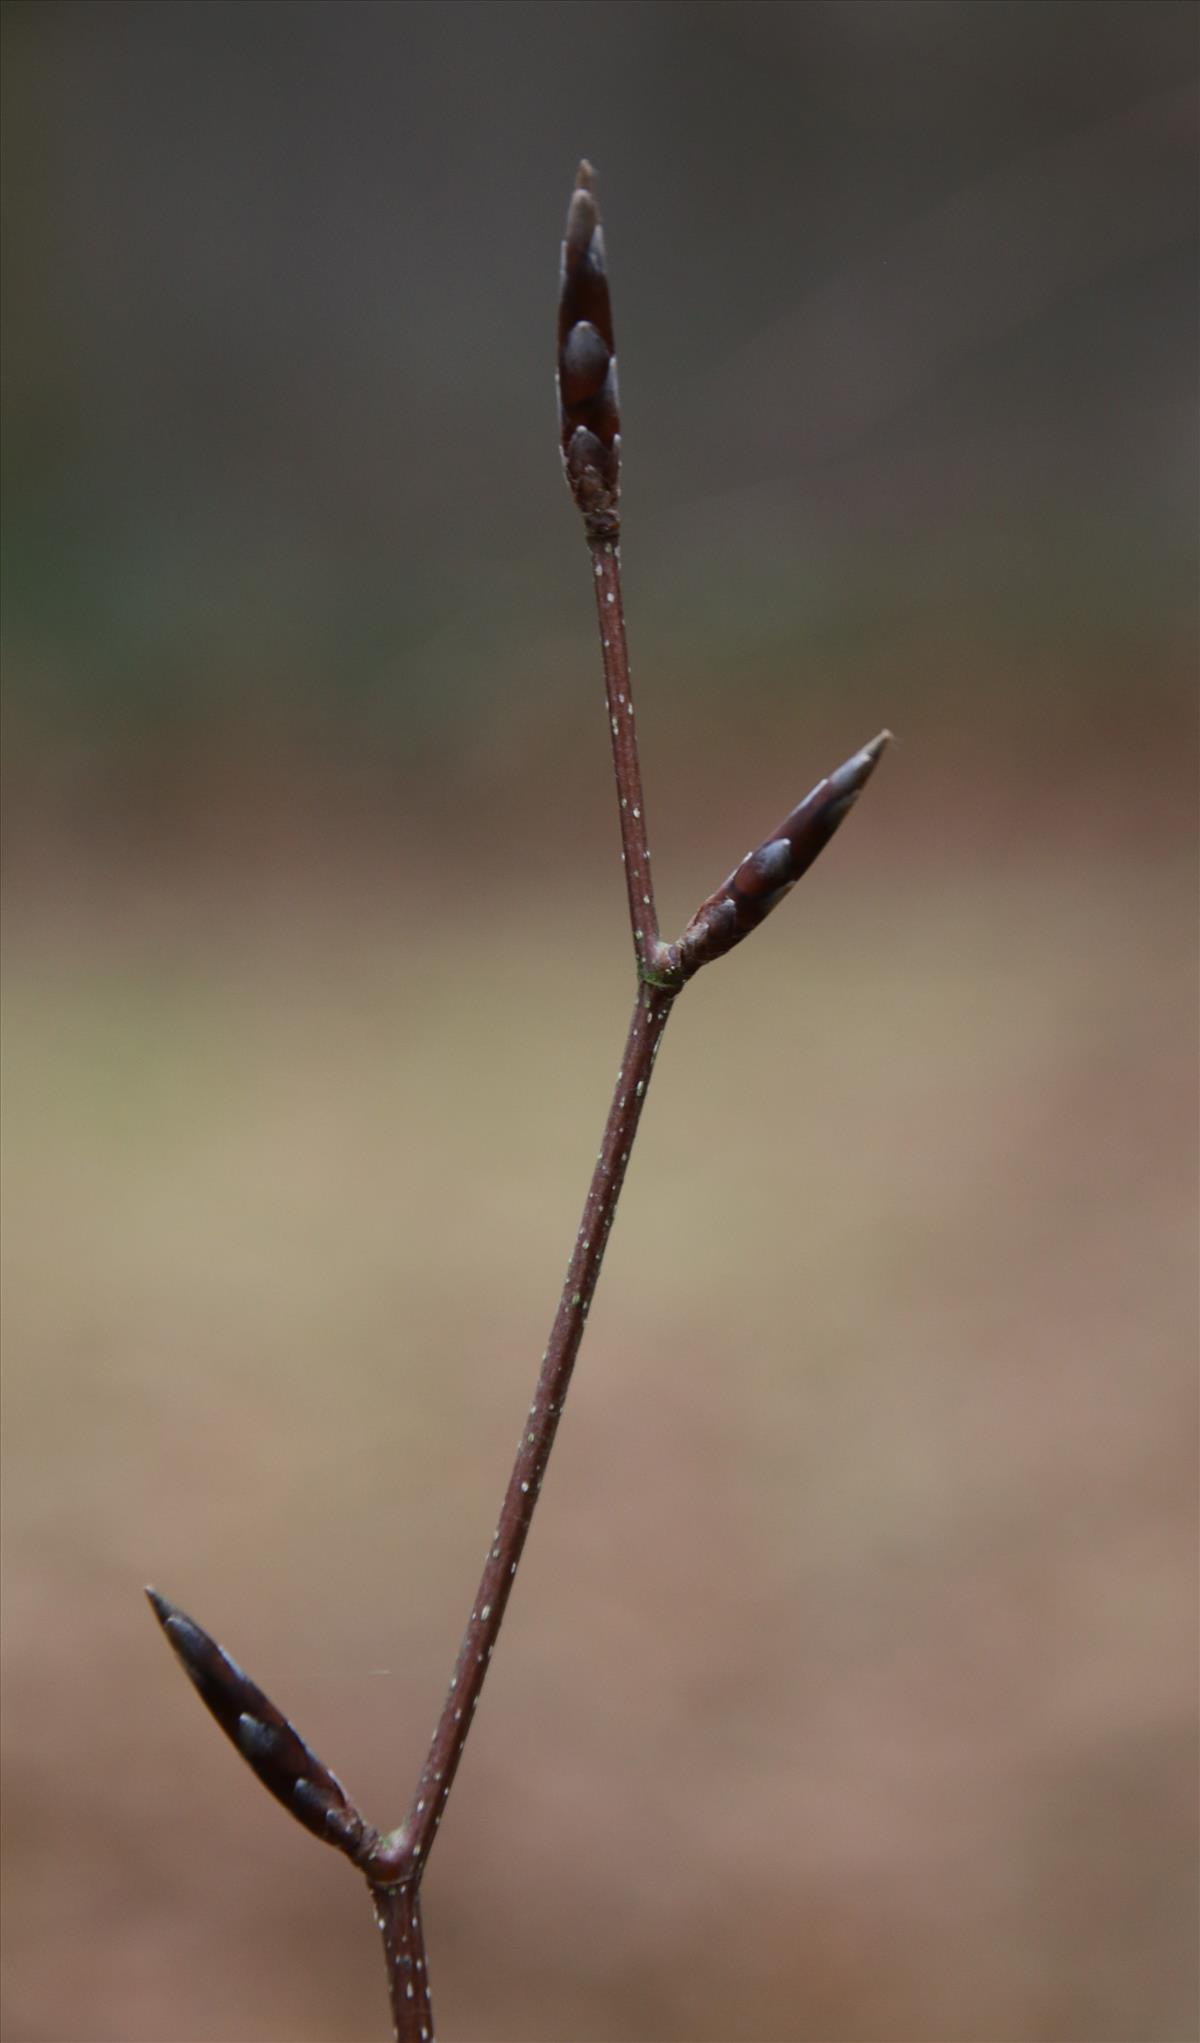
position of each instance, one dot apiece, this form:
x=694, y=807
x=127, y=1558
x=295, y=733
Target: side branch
x=271, y=1747
x=767, y=875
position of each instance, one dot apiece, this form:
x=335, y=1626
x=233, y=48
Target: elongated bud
x=764, y=876
x=271, y=1747
x=588, y=411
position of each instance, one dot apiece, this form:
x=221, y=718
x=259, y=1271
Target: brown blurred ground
x=849, y=1690
x=849, y=1694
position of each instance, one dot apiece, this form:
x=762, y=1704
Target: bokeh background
x=849, y=1691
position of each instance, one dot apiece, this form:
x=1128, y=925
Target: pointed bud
x=588, y=412
x=267, y=1742
x=764, y=876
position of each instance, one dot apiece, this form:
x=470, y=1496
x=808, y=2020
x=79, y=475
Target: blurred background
x=849, y=1691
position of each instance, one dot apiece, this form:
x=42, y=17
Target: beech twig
x=394, y=1865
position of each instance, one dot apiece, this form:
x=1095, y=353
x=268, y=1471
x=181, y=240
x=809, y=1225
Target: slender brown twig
x=394, y=1865
x=590, y=433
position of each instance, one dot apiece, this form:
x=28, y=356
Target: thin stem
x=639, y=883
x=400, y=1855
x=398, y=1916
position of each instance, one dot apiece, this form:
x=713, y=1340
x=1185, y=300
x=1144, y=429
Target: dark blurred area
x=849, y=1693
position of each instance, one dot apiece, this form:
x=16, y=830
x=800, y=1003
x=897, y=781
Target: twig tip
x=588, y=411
x=849, y=780
x=878, y=745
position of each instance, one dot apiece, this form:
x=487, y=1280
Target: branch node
x=664, y=968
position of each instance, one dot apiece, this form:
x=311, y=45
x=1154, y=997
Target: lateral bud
x=589, y=414
x=766, y=875
x=271, y=1747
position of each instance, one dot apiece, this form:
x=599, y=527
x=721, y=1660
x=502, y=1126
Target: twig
x=590, y=432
